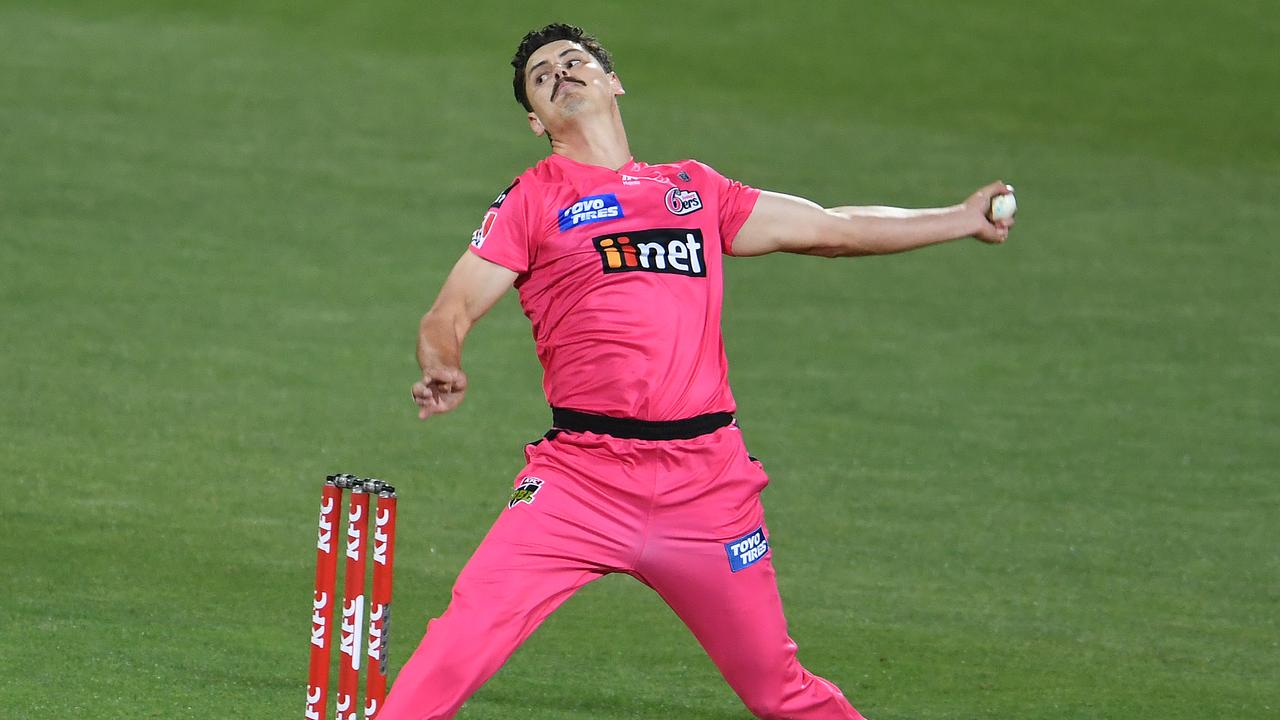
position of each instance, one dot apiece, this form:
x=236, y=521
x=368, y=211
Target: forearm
x=440, y=335
x=472, y=288
x=880, y=230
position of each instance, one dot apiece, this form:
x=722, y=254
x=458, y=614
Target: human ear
x=536, y=125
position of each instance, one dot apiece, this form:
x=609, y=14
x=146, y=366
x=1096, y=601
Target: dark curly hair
x=549, y=34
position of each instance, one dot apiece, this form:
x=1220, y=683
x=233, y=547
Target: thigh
x=559, y=516
x=550, y=538
x=725, y=590
x=708, y=555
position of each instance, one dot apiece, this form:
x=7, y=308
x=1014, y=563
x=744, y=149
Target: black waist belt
x=627, y=428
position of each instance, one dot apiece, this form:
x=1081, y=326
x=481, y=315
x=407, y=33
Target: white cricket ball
x=1003, y=207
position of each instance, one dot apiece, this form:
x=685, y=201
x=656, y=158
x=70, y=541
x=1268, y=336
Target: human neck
x=594, y=141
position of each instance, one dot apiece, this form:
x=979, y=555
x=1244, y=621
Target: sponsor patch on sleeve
x=482, y=232
x=490, y=217
x=747, y=550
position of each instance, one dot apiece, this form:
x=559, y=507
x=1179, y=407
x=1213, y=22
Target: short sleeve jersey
x=620, y=273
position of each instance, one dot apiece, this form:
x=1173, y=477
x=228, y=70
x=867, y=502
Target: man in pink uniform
x=619, y=267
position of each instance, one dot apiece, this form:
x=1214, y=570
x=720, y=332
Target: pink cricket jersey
x=620, y=273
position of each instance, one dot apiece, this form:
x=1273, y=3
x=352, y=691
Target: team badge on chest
x=683, y=202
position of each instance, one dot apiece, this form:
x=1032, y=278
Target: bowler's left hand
x=979, y=205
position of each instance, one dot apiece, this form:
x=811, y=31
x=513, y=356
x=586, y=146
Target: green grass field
x=1034, y=481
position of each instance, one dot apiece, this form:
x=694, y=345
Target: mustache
x=562, y=81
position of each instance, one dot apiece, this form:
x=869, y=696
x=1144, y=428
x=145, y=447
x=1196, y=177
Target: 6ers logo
x=683, y=202
x=675, y=251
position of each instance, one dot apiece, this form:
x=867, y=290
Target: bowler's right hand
x=439, y=391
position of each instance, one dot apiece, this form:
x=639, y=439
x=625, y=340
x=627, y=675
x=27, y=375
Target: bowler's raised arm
x=785, y=223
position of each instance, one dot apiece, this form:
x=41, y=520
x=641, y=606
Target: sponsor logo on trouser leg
x=747, y=550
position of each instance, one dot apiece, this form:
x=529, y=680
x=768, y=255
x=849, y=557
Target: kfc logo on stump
x=320, y=619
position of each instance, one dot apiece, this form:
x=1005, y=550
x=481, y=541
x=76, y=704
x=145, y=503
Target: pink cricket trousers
x=681, y=516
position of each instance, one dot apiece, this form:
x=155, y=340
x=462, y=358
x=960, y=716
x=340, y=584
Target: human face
x=562, y=79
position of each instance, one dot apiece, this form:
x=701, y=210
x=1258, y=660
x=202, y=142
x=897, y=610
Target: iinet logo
x=666, y=250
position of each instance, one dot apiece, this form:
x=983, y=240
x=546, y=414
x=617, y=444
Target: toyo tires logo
x=593, y=209
x=747, y=550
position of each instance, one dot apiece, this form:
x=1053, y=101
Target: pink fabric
x=631, y=341
x=667, y=513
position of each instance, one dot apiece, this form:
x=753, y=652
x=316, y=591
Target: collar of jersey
x=630, y=167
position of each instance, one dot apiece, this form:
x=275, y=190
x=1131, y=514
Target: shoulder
x=685, y=174
x=543, y=184
x=502, y=196
x=687, y=167
x=522, y=188
x=696, y=171
x=691, y=165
